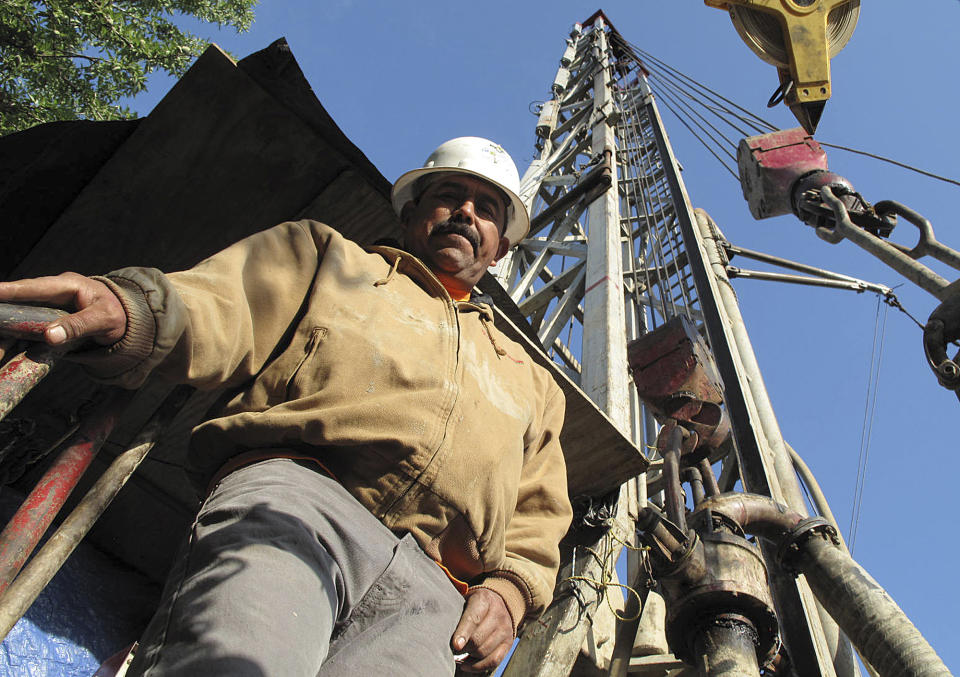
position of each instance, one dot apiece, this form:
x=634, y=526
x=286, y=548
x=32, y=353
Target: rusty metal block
x=675, y=375
x=771, y=163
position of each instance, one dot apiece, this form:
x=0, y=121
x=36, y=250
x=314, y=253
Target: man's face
x=456, y=227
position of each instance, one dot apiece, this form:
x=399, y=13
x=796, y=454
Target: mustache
x=456, y=227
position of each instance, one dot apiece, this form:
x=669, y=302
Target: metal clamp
x=790, y=545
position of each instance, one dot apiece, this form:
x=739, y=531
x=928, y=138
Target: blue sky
x=399, y=78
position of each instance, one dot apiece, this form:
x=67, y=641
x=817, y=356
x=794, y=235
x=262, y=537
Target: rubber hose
x=866, y=613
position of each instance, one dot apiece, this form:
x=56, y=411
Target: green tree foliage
x=72, y=59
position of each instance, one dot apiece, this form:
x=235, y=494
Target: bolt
x=949, y=369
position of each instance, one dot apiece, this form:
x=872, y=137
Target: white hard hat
x=478, y=157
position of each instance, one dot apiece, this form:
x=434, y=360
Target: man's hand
x=98, y=315
x=485, y=631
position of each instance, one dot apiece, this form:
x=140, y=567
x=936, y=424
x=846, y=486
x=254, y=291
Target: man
x=375, y=420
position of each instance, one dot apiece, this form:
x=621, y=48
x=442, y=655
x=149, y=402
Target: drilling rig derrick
x=618, y=257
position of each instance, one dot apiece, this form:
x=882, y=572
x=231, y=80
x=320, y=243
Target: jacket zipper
x=453, y=322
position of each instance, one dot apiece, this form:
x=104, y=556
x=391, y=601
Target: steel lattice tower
x=615, y=250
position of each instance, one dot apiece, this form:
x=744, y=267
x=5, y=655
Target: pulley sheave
x=763, y=31
x=799, y=37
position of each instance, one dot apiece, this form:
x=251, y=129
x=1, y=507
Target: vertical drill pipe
x=710, y=485
x=21, y=374
x=48, y=560
x=40, y=507
x=727, y=647
x=674, y=503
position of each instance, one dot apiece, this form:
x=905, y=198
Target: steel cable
x=870, y=405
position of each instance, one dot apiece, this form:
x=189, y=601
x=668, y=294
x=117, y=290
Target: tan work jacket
x=434, y=420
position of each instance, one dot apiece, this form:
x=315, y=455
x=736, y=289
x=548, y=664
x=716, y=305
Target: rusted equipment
x=715, y=585
x=727, y=646
x=874, y=623
x=40, y=507
x=48, y=560
x=675, y=374
x=26, y=528
x=770, y=163
x=720, y=614
x=26, y=322
x=22, y=372
x=782, y=172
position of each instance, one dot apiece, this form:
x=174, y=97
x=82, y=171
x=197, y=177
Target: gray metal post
x=605, y=376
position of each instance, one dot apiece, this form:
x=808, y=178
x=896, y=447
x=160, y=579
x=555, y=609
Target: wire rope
x=893, y=162
x=729, y=143
x=670, y=79
x=870, y=405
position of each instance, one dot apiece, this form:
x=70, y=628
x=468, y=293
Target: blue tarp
x=92, y=609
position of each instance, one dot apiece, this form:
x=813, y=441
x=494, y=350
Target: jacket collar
x=391, y=250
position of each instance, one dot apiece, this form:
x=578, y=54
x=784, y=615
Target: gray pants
x=287, y=574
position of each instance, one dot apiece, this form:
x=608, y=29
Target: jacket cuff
x=138, y=340
x=514, y=593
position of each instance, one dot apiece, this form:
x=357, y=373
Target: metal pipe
x=861, y=607
x=25, y=529
x=816, y=493
x=751, y=375
x=21, y=373
x=26, y=322
x=726, y=646
x=710, y=484
x=737, y=250
x=758, y=515
x=674, y=504
x=692, y=477
x=48, y=560
x=649, y=521
x=24, y=371
x=844, y=649
x=735, y=272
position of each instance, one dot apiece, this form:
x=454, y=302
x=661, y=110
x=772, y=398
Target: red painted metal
x=26, y=322
x=25, y=529
x=771, y=163
x=676, y=376
x=21, y=373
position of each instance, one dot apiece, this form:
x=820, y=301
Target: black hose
x=866, y=613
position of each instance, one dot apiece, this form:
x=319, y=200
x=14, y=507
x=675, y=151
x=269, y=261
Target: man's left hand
x=485, y=631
